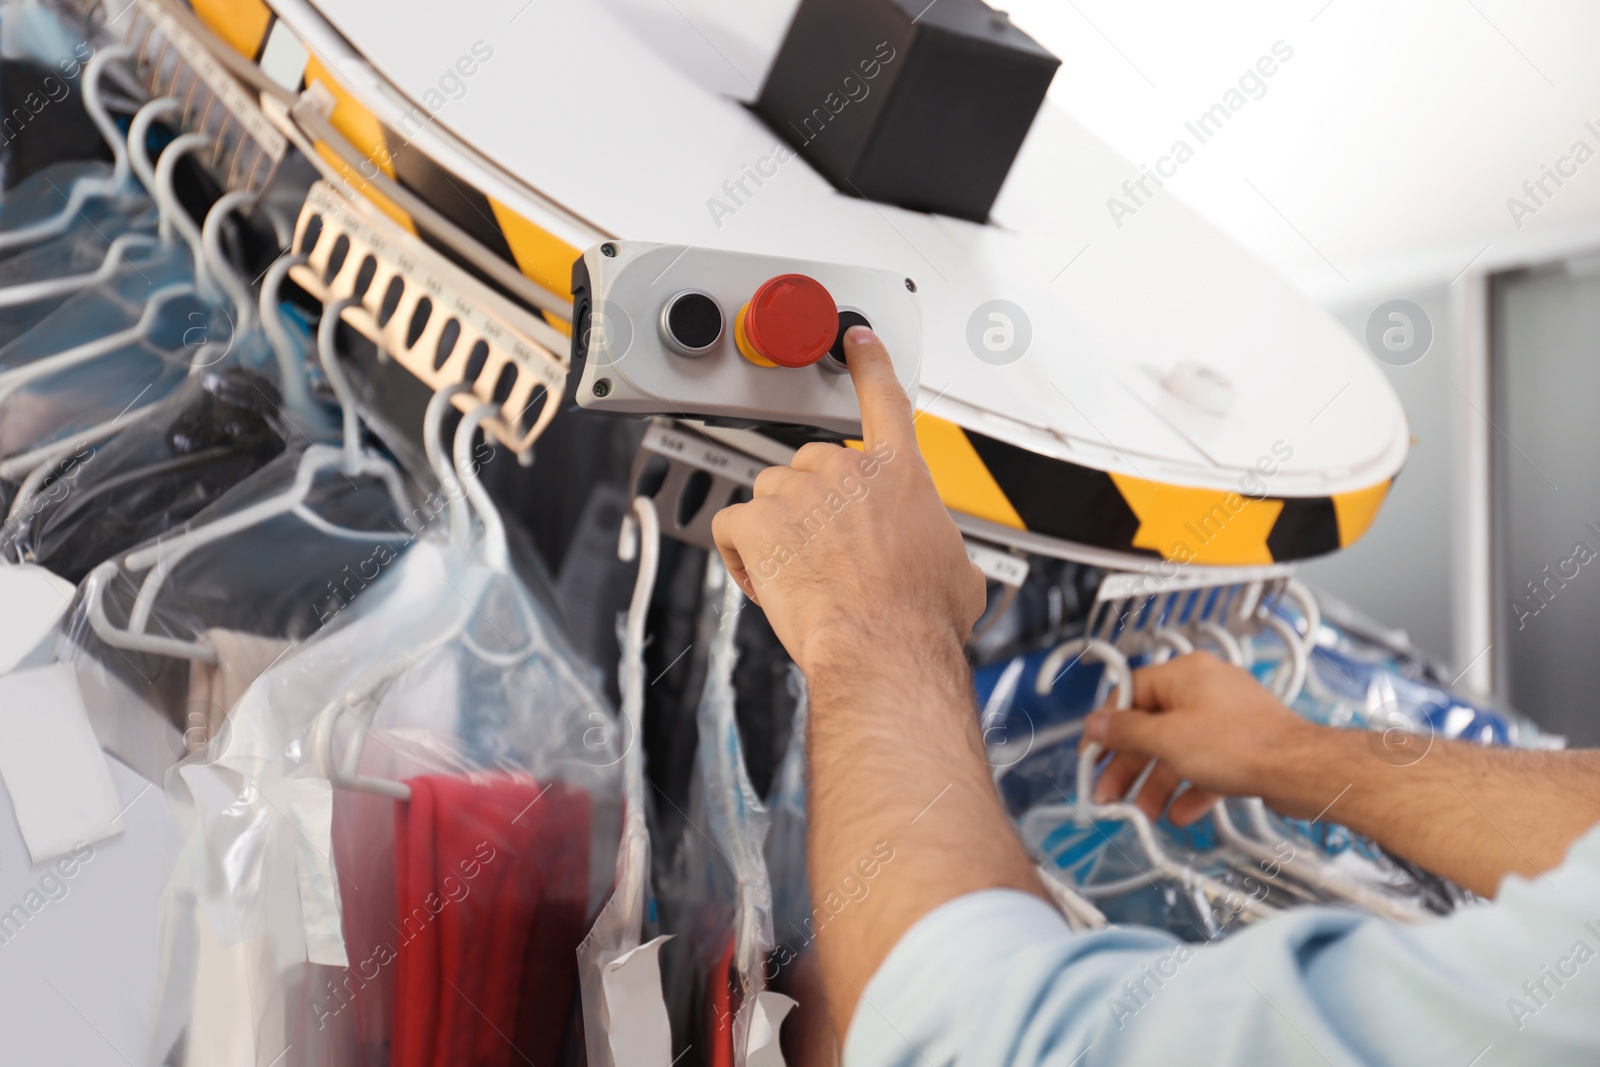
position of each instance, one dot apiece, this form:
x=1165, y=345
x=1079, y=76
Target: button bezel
x=678, y=346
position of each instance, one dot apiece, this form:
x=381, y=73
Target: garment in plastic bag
x=44, y=199
x=722, y=905
x=221, y=427
x=49, y=124
x=100, y=355
x=282, y=920
x=280, y=579
x=1038, y=779
x=793, y=968
x=35, y=282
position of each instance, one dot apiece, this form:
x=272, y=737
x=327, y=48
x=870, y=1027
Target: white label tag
x=34, y=602
x=636, y=1013
x=998, y=566
x=762, y=1048
x=308, y=805
x=707, y=455
x=60, y=784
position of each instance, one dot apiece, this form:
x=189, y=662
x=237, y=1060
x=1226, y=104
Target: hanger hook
x=327, y=351
x=139, y=144
x=432, y=443
x=494, y=528
x=290, y=371
x=641, y=537
x=173, y=213
x=233, y=283
x=95, y=105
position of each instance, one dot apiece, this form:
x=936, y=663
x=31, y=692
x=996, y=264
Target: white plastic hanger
x=1058, y=662
x=461, y=486
x=35, y=466
x=1086, y=811
x=291, y=375
x=84, y=190
x=16, y=377
x=235, y=285
x=174, y=217
x=118, y=255
x=1080, y=913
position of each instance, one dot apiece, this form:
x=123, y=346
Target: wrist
x=883, y=645
x=1308, y=769
x=891, y=669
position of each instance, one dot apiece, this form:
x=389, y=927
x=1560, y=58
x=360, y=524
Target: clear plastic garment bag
x=395, y=849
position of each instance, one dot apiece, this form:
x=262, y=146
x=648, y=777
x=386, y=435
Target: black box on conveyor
x=922, y=103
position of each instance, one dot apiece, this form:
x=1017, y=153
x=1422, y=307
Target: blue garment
x=996, y=979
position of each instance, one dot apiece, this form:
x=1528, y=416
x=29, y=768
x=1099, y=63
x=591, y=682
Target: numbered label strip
x=998, y=565
x=691, y=478
x=428, y=315
x=247, y=148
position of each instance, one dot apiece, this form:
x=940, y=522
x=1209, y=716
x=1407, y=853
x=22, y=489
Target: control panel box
x=731, y=338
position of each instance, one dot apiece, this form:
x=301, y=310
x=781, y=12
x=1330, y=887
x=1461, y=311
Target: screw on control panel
x=911, y=286
x=602, y=387
x=608, y=250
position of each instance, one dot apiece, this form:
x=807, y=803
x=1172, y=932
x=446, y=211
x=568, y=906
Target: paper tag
x=636, y=1013
x=60, y=784
x=761, y=1046
x=308, y=805
x=34, y=602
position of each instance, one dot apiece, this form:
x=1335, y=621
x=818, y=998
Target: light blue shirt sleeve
x=997, y=979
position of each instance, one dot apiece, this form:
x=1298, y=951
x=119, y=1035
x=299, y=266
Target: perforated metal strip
x=431, y=317
x=246, y=147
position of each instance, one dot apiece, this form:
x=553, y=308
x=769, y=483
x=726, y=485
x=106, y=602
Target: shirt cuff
x=947, y=961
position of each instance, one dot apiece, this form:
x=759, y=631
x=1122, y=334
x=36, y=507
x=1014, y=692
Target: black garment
x=42, y=121
x=153, y=476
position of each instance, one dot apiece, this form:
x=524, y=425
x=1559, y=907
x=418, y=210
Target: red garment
x=721, y=1004
x=492, y=879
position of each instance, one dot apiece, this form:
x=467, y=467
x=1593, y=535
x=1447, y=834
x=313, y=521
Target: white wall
x=1381, y=155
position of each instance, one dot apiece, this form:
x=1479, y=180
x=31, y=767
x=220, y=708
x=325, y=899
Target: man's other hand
x=1205, y=722
x=854, y=548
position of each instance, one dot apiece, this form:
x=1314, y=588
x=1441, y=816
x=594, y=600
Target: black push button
x=847, y=319
x=691, y=323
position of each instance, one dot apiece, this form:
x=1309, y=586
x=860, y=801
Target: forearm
x=1469, y=813
x=898, y=788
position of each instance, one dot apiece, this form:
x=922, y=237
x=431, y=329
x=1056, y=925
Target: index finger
x=885, y=408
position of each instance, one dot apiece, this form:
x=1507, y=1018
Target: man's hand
x=1216, y=727
x=1208, y=723
x=865, y=580
x=849, y=546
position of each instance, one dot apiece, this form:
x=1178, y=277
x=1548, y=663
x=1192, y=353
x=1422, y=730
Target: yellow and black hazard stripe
x=251, y=28
x=976, y=475
x=1012, y=487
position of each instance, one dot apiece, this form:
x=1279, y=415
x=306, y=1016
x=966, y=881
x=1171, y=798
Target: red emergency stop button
x=789, y=322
